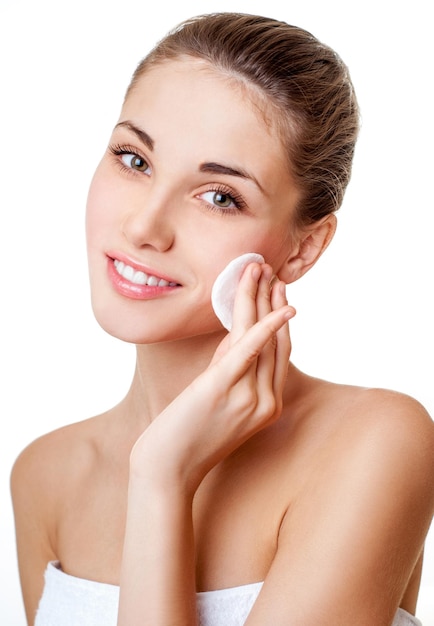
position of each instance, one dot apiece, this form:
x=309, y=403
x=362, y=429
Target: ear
x=312, y=243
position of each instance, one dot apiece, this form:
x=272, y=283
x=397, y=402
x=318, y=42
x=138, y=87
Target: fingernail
x=256, y=272
x=290, y=312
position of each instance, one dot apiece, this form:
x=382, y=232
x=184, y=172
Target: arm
x=239, y=394
x=30, y=487
x=351, y=539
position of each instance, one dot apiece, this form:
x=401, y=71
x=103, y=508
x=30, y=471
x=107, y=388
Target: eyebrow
x=212, y=168
x=141, y=134
x=217, y=168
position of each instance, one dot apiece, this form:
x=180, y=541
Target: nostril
x=148, y=228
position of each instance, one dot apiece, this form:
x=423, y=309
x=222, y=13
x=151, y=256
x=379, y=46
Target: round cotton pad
x=225, y=286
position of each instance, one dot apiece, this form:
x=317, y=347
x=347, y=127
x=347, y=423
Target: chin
x=154, y=321
x=129, y=332
x=152, y=329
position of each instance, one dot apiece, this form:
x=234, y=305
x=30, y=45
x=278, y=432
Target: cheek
x=217, y=252
x=100, y=206
x=273, y=243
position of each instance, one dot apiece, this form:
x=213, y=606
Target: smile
x=140, y=278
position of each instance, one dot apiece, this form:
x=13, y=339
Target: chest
x=237, y=514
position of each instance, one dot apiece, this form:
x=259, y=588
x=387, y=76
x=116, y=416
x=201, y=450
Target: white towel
x=71, y=601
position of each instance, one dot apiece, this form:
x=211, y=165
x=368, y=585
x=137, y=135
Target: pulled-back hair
x=305, y=82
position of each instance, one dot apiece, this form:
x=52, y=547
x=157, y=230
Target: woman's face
x=192, y=178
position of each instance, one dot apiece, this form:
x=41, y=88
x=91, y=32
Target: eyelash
x=236, y=198
x=118, y=150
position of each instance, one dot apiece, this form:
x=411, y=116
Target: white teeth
x=128, y=272
x=152, y=281
x=140, y=278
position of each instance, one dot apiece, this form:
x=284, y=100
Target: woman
x=227, y=487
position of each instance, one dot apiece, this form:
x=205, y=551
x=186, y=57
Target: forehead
x=190, y=97
x=191, y=67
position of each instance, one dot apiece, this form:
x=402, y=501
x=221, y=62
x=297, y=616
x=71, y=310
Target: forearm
x=158, y=565
x=239, y=393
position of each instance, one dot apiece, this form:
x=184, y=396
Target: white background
x=364, y=313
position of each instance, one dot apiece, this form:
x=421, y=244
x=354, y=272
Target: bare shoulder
x=395, y=423
x=395, y=434
x=392, y=419
x=392, y=403
x=51, y=466
x=364, y=489
x=46, y=470
x=381, y=438
x=48, y=460
x=378, y=449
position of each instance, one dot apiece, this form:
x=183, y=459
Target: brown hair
x=304, y=80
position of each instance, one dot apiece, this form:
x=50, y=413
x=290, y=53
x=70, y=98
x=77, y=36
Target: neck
x=164, y=370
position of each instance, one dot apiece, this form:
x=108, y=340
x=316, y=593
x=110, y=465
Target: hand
x=236, y=396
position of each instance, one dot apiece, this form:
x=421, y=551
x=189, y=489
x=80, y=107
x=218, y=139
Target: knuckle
x=268, y=406
x=273, y=341
x=247, y=404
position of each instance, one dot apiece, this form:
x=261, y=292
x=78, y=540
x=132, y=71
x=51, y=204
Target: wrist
x=160, y=483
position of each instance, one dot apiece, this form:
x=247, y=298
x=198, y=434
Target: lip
x=133, y=290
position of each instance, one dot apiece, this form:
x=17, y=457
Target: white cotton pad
x=225, y=286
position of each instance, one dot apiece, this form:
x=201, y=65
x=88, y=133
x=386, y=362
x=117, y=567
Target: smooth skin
x=224, y=464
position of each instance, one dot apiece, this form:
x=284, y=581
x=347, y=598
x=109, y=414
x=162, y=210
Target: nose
x=150, y=221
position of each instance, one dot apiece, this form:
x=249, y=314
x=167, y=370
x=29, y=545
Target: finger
x=235, y=363
x=273, y=361
x=263, y=297
x=283, y=340
x=263, y=307
x=266, y=359
x=252, y=386
x=245, y=313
